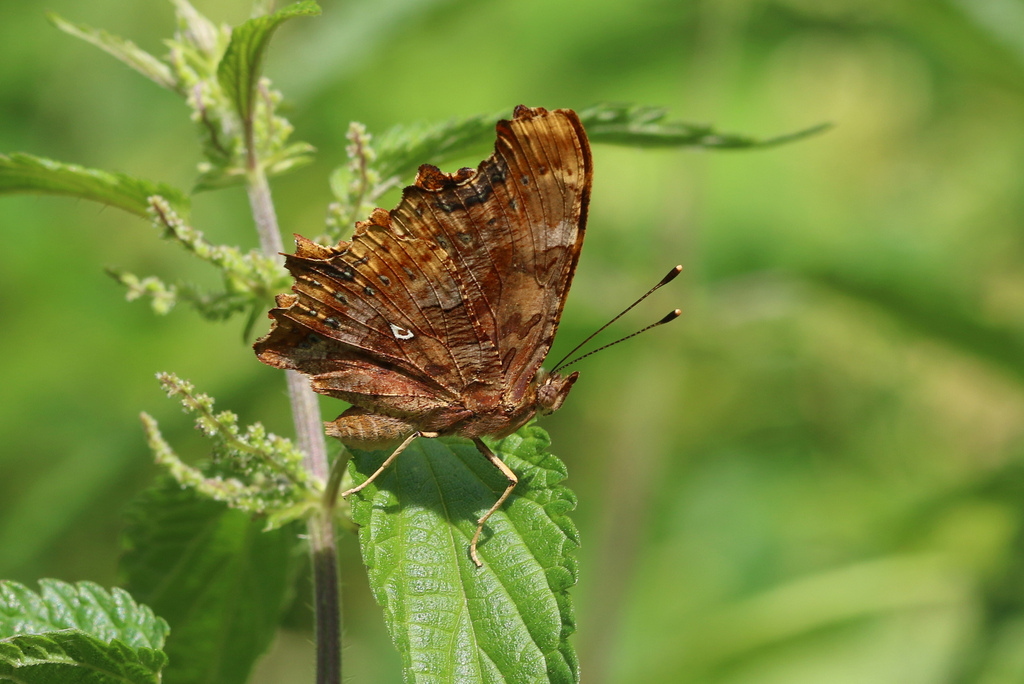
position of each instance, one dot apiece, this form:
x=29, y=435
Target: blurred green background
x=816, y=475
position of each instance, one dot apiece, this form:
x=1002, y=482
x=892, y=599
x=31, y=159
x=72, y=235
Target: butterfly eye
x=552, y=393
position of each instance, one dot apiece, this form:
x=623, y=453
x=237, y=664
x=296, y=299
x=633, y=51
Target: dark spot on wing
x=497, y=173
x=476, y=194
x=446, y=206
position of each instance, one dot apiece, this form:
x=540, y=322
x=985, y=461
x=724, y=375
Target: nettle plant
x=212, y=550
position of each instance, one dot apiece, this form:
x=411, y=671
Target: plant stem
x=309, y=429
x=263, y=211
x=305, y=408
x=310, y=437
x=326, y=598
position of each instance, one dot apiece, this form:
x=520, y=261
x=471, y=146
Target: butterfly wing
x=379, y=321
x=449, y=302
x=514, y=227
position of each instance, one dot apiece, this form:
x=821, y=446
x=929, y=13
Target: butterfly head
x=552, y=389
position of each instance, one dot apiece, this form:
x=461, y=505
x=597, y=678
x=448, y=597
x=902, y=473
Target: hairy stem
x=310, y=437
x=263, y=211
x=326, y=599
x=309, y=429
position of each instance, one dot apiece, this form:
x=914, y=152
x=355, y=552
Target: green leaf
x=640, y=126
x=85, y=607
x=120, y=48
x=403, y=148
x=220, y=581
x=27, y=173
x=73, y=657
x=240, y=67
x=77, y=633
x=508, y=621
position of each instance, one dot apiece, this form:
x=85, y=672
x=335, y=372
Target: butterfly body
x=365, y=428
x=436, y=317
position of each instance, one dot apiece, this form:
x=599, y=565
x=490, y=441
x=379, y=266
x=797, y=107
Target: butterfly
x=435, y=318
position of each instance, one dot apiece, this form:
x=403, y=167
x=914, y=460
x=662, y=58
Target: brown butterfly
x=435, y=318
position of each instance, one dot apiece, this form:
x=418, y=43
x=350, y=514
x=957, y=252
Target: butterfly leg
x=512, y=482
x=388, y=461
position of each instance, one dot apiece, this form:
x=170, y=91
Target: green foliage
x=20, y=173
x=508, y=621
x=222, y=577
x=640, y=126
x=239, y=69
x=250, y=279
x=236, y=107
x=217, y=71
x=77, y=633
x=357, y=184
x=215, y=574
x=251, y=470
x=85, y=607
x=76, y=658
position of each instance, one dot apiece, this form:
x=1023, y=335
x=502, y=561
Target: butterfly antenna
x=672, y=315
x=669, y=277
